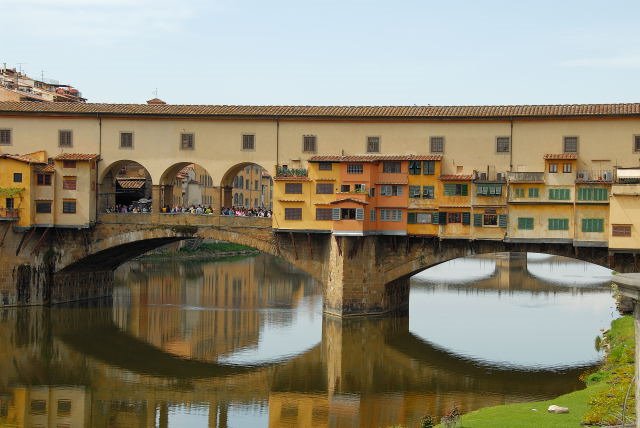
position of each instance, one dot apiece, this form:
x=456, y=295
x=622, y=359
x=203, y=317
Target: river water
x=243, y=343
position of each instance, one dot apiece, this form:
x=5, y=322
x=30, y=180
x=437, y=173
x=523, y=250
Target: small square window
x=69, y=164
x=5, y=137
x=373, y=144
x=355, y=168
x=69, y=206
x=187, y=141
x=293, y=213
x=566, y=167
x=126, y=140
x=309, y=143
x=64, y=407
x=553, y=167
x=291, y=188
x=43, y=207
x=38, y=407
x=503, y=144
x=345, y=188
x=69, y=183
x=325, y=166
x=43, y=179
x=65, y=138
x=248, y=142
x=436, y=144
x=17, y=177
x=570, y=144
x=636, y=143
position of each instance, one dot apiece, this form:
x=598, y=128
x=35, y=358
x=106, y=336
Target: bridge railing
x=185, y=219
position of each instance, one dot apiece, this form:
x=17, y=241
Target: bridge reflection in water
x=184, y=343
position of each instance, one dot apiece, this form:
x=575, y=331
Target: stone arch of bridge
x=122, y=182
x=227, y=196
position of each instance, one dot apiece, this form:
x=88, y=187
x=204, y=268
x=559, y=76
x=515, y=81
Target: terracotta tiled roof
x=453, y=177
x=561, y=156
x=371, y=158
x=357, y=201
x=76, y=156
x=131, y=183
x=349, y=112
x=21, y=158
x=47, y=169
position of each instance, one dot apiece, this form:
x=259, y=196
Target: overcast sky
x=330, y=51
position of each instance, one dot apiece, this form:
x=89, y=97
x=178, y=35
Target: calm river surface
x=243, y=343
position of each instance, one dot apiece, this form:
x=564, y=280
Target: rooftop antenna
x=155, y=93
x=20, y=64
x=42, y=75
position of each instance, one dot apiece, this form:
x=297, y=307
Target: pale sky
x=326, y=52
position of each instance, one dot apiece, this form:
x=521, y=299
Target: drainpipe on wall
x=511, y=142
x=97, y=189
x=277, y=144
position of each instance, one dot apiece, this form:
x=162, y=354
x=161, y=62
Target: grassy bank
x=600, y=403
x=203, y=250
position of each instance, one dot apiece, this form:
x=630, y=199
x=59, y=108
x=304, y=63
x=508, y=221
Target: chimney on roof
x=155, y=101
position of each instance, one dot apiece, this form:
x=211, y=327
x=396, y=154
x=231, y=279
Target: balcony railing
x=598, y=175
x=526, y=177
x=291, y=172
x=9, y=214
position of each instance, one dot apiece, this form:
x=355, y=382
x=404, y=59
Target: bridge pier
x=355, y=281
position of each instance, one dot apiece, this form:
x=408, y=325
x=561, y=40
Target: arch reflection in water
x=159, y=356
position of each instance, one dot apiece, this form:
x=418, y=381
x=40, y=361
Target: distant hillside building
x=17, y=86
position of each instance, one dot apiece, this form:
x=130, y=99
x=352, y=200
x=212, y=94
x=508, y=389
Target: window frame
x=621, y=230
x=46, y=179
x=508, y=141
x=565, y=139
x=122, y=134
x=65, y=132
x=325, y=166
x=454, y=218
x=17, y=177
x=320, y=210
x=291, y=188
x=355, y=168
x=526, y=223
x=65, y=207
x=325, y=186
x=250, y=137
x=553, y=167
x=288, y=211
x=370, y=139
x=7, y=132
x=67, y=180
x=433, y=139
x=636, y=143
x=567, y=168
x=38, y=204
x=313, y=140
x=192, y=145
x=391, y=167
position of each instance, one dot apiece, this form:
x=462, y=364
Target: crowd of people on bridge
x=192, y=209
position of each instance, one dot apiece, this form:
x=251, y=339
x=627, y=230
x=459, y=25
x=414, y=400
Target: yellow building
x=624, y=214
x=424, y=189
x=16, y=175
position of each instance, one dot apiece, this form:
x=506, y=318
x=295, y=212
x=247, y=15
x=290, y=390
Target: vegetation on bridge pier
x=198, y=249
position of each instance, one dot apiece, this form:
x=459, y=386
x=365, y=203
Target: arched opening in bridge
x=187, y=187
x=247, y=186
x=125, y=186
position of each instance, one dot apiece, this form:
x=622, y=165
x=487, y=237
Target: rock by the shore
x=557, y=409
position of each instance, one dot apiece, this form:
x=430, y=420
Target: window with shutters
x=436, y=144
x=65, y=138
x=419, y=218
x=525, y=223
x=293, y=213
x=428, y=192
x=309, y=143
x=291, y=188
x=5, y=137
x=325, y=166
x=558, y=224
x=489, y=189
x=570, y=144
x=394, y=215
x=43, y=207
x=429, y=167
x=323, y=213
x=126, y=140
x=248, y=142
x=415, y=167
x=553, y=167
x=593, y=194
x=355, y=168
x=392, y=167
x=17, y=177
x=503, y=220
x=347, y=213
x=390, y=190
x=559, y=194
x=534, y=192
x=415, y=191
x=593, y=225
x=621, y=230
x=503, y=144
x=187, y=141
x=566, y=168
x=636, y=142
x=518, y=192
x=454, y=217
x=69, y=183
x=324, y=188
x=373, y=144
x=68, y=206
x=490, y=220
x=451, y=189
x=43, y=179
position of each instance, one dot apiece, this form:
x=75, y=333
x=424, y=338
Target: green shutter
x=477, y=219
x=435, y=218
x=466, y=218
x=525, y=223
x=502, y=220
x=464, y=190
x=534, y=192
x=449, y=189
x=411, y=218
x=443, y=218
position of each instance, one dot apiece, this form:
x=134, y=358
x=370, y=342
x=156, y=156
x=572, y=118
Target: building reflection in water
x=163, y=353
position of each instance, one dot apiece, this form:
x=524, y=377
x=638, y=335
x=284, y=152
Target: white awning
x=628, y=173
